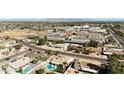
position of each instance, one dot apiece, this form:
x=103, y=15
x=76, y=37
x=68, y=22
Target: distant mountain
x=61, y=19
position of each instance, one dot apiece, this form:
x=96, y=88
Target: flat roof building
x=62, y=46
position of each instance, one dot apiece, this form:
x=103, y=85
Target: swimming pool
x=50, y=67
x=26, y=69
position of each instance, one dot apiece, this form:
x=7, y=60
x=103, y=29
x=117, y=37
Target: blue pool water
x=50, y=67
x=26, y=69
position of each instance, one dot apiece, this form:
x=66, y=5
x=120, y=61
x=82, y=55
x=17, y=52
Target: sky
x=62, y=19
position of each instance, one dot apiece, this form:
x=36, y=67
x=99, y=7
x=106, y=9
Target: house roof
x=61, y=58
x=118, y=52
x=96, y=49
x=20, y=62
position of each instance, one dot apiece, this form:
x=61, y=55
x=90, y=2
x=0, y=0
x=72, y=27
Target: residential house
x=20, y=62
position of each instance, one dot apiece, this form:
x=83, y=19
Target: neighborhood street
x=15, y=55
x=66, y=53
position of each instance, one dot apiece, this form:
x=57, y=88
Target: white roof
x=89, y=70
x=70, y=60
x=2, y=72
x=60, y=59
x=62, y=45
x=10, y=70
x=85, y=26
x=4, y=49
x=20, y=62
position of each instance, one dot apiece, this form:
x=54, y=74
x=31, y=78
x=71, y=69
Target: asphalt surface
x=118, y=38
x=66, y=53
x=15, y=55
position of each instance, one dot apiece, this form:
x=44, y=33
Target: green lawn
x=59, y=69
x=19, y=71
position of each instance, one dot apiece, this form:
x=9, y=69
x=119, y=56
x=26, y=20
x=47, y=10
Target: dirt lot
x=20, y=33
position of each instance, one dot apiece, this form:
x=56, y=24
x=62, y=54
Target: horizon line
x=61, y=19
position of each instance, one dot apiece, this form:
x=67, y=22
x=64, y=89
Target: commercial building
x=56, y=36
x=62, y=46
x=97, y=37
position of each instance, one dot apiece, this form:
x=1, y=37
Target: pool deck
x=51, y=68
x=25, y=69
x=34, y=68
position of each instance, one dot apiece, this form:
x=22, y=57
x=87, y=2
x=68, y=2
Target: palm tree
x=64, y=63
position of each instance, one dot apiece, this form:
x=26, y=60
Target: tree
x=41, y=42
x=49, y=52
x=93, y=43
x=45, y=38
x=86, y=51
x=54, y=30
x=19, y=70
x=40, y=71
x=7, y=37
x=117, y=26
x=111, y=40
x=34, y=61
x=18, y=46
x=120, y=33
x=59, y=41
x=59, y=68
x=65, y=63
x=103, y=69
x=56, y=53
x=86, y=45
x=113, y=67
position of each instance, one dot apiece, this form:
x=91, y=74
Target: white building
x=10, y=70
x=9, y=43
x=62, y=46
x=2, y=71
x=20, y=62
x=97, y=30
x=90, y=70
x=86, y=26
x=97, y=37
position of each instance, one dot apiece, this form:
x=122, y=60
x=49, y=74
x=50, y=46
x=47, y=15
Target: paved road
x=66, y=53
x=121, y=40
x=118, y=38
x=15, y=55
